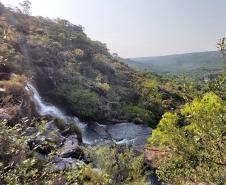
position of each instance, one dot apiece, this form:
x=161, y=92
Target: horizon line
x=167, y=55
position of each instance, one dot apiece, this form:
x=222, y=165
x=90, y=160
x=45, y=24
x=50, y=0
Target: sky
x=139, y=28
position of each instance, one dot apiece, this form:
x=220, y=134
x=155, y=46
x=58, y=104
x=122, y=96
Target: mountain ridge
x=196, y=65
x=168, y=55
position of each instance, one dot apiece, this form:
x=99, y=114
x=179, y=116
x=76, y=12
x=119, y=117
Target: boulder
x=71, y=148
x=49, y=134
x=66, y=163
x=50, y=126
x=53, y=136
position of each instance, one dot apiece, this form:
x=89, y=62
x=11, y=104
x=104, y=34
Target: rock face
x=69, y=151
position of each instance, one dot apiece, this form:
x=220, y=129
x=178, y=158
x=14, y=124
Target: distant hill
x=196, y=65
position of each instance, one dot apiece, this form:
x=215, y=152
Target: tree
x=218, y=84
x=26, y=6
x=221, y=45
x=195, y=140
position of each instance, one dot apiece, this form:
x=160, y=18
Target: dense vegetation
x=81, y=76
x=193, y=138
x=195, y=141
x=75, y=72
x=20, y=165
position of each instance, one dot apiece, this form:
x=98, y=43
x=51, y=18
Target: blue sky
x=136, y=28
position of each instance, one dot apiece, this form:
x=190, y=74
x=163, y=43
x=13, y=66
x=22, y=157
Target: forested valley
x=73, y=113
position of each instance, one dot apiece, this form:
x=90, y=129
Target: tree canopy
x=195, y=140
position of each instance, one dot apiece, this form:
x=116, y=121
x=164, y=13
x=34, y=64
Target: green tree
x=195, y=141
x=218, y=85
x=25, y=6
x=221, y=45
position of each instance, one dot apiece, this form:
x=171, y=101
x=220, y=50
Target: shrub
x=141, y=115
x=86, y=175
x=105, y=87
x=14, y=88
x=81, y=101
x=102, y=63
x=195, y=138
x=79, y=53
x=123, y=167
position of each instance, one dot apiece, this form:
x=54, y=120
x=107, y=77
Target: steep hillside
x=195, y=65
x=77, y=73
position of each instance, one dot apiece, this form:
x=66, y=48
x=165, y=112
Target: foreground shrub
x=195, y=139
x=122, y=167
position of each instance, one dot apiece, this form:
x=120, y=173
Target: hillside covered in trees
x=197, y=66
x=79, y=74
x=72, y=113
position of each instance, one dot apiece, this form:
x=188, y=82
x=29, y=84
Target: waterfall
x=43, y=108
x=94, y=133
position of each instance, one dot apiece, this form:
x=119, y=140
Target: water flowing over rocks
x=128, y=134
x=71, y=156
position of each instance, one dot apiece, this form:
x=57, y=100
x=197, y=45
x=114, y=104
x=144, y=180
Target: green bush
x=105, y=87
x=86, y=175
x=141, y=115
x=195, y=140
x=81, y=101
x=123, y=167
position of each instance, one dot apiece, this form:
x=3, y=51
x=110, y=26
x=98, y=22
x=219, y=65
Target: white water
x=42, y=108
x=95, y=133
x=45, y=109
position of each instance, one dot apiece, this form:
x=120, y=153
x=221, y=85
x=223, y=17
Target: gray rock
x=50, y=134
x=53, y=136
x=66, y=163
x=71, y=148
x=49, y=126
x=29, y=131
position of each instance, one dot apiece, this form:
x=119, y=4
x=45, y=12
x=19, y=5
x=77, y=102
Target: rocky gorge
x=127, y=134
x=70, y=145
